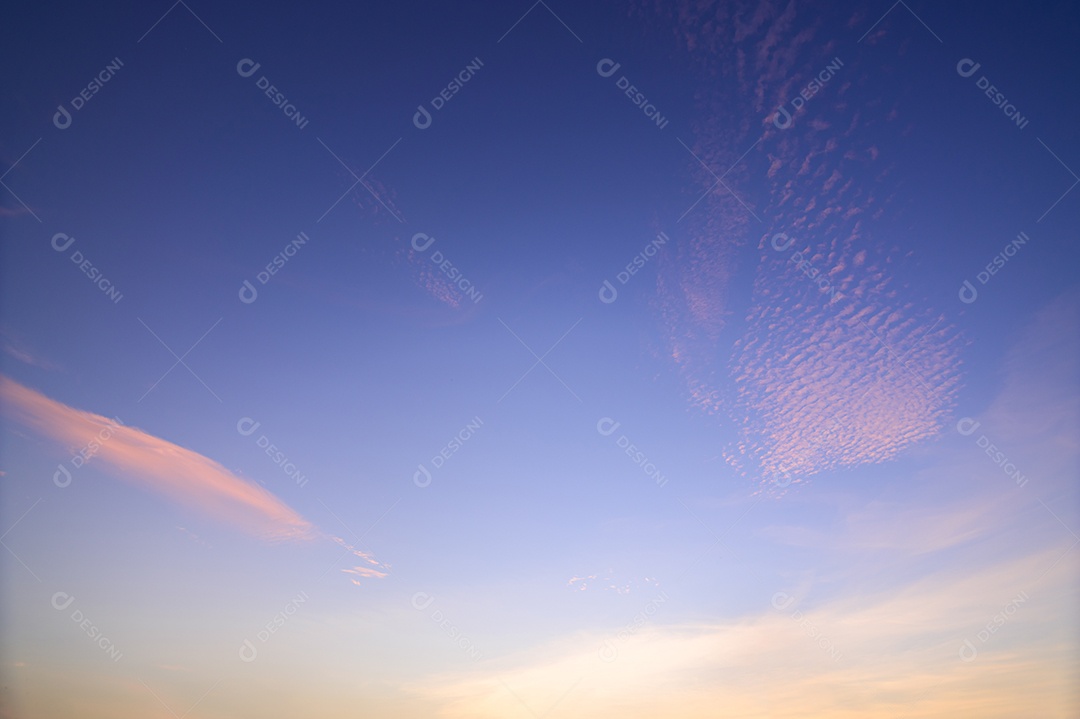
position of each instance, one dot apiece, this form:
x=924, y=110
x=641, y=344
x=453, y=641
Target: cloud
x=433, y=283
x=824, y=386
x=378, y=201
x=959, y=495
x=16, y=349
x=892, y=652
x=157, y=464
x=366, y=573
x=180, y=474
x=584, y=581
x=372, y=569
x=608, y=583
x=828, y=358
x=22, y=356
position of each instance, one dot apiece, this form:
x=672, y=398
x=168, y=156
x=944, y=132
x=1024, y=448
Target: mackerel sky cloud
x=835, y=360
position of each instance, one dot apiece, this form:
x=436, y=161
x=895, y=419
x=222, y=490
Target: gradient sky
x=559, y=401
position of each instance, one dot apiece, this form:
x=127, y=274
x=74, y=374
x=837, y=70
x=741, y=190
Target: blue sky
x=433, y=465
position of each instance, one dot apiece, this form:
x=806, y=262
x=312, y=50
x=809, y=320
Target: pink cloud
x=829, y=359
x=159, y=465
x=366, y=573
x=374, y=569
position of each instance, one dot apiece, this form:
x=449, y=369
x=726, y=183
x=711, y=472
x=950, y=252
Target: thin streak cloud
x=182, y=475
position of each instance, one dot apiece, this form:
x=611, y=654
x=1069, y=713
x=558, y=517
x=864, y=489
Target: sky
x=684, y=359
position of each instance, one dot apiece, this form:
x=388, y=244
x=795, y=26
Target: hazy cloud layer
x=889, y=654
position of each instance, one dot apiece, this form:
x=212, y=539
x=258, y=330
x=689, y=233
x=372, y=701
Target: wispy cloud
x=16, y=349
x=433, y=283
x=371, y=569
x=13, y=211
x=365, y=573
x=608, y=583
x=180, y=474
x=157, y=464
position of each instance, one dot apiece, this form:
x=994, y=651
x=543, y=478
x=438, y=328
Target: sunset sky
x=499, y=360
